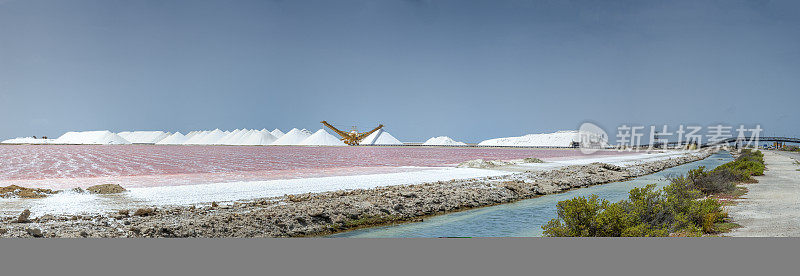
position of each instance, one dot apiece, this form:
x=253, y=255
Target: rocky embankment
x=322, y=213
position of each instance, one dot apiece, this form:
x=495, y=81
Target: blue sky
x=471, y=70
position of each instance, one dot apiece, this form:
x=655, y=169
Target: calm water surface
x=523, y=218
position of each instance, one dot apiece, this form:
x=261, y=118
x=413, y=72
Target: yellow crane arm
x=341, y=133
x=361, y=136
x=351, y=138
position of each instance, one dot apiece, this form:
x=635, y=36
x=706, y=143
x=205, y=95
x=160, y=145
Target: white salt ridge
x=143, y=137
x=443, y=141
x=232, y=137
x=69, y=202
x=227, y=136
x=28, y=141
x=556, y=139
x=176, y=138
x=277, y=133
x=293, y=137
x=380, y=137
x=213, y=137
x=322, y=138
x=192, y=139
x=191, y=134
x=255, y=138
x=102, y=137
x=206, y=137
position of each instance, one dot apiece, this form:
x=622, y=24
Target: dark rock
x=35, y=232
x=84, y=234
x=143, y=212
x=106, y=189
x=23, y=217
x=46, y=218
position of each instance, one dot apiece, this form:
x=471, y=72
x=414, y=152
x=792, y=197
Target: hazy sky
x=467, y=69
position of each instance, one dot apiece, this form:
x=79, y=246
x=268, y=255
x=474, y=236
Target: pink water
x=142, y=165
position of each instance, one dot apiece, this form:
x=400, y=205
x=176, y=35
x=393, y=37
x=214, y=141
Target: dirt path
x=772, y=206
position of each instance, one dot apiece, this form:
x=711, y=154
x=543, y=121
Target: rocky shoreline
x=330, y=212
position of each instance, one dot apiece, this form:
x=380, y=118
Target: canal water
x=522, y=218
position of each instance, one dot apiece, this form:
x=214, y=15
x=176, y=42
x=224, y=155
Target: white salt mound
x=380, y=137
x=206, y=138
x=255, y=138
x=27, y=140
x=277, y=133
x=232, y=137
x=443, y=141
x=226, y=137
x=322, y=138
x=191, y=134
x=556, y=139
x=213, y=137
x=293, y=137
x=193, y=139
x=176, y=138
x=102, y=137
x=143, y=137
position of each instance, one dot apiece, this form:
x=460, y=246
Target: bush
x=677, y=208
x=717, y=181
x=647, y=213
x=579, y=217
x=749, y=163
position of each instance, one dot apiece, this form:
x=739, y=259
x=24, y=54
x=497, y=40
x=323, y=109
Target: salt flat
x=73, y=203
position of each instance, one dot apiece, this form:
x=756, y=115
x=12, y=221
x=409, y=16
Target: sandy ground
x=772, y=206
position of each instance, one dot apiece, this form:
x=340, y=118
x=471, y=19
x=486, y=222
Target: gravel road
x=772, y=206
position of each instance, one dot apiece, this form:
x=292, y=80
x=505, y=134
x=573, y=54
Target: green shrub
x=677, y=208
x=647, y=213
x=717, y=181
x=749, y=163
x=579, y=217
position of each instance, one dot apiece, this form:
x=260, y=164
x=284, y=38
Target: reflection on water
x=523, y=218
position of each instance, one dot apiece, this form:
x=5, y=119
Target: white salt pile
x=277, y=133
x=249, y=137
x=143, y=137
x=443, y=141
x=254, y=138
x=556, y=139
x=103, y=137
x=293, y=137
x=231, y=137
x=380, y=137
x=176, y=138
x=213, y=137
x=322, y=138
x=206, y=137
x=27, y=140
x=194, y=139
